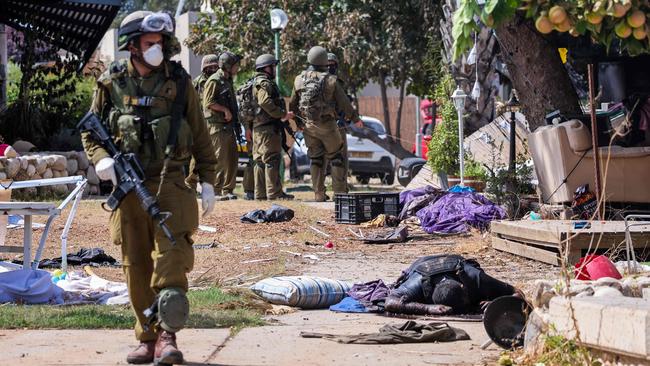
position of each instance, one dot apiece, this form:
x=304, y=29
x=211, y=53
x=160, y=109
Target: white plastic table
x=30, y=209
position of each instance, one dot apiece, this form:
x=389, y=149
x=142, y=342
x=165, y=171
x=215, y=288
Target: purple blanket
x=456, y=212
x=406, y=196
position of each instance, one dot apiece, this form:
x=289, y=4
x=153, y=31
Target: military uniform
x=323, y=138
x=267, y=137
x=149, y=260
x=199, y=82
x=219, y=90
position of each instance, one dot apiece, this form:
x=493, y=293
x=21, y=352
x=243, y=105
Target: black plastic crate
x=355, y=208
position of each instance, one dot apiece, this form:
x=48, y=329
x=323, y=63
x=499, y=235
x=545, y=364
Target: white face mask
x=154, y=55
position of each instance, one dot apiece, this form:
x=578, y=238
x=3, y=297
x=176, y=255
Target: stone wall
x=44, y=165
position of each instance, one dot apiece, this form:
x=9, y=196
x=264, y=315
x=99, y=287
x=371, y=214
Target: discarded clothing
x=408, y=195
x=18, y=222
x=370, y=291
x=457, y=212
x=29, y=287
x=82, y=289
x=381, y=221
x=349, y=305
x=409, y=332
x=276, y=213
x=85, y=256
x=414, y=205
x=398, y=235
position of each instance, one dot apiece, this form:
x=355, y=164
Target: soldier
x=140, y=99
x=220, y=112
x=333, y=65
x=209, y=65
x=316, y=97
x=268, y=131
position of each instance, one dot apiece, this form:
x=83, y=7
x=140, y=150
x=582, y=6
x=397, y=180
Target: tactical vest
x=316, y=96
x=140, y=122
x=264, y=118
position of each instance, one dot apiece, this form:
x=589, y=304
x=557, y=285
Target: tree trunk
x=384, y=103
x=398, y=118
x=536, y=71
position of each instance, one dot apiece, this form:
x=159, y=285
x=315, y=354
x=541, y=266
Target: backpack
x=312, y=101
x=248, y=107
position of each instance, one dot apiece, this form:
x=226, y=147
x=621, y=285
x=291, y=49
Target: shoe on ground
x=283, y=197
x=167, y=352
x=249, y=196
x=221, y=198
x=260, y=199
x=231, y=196
x=142, y=354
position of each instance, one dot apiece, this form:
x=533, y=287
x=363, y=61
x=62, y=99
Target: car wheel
x=389, y=179
x=363, y=179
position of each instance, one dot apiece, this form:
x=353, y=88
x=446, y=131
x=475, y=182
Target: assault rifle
x=130, y=175
x=231, y=103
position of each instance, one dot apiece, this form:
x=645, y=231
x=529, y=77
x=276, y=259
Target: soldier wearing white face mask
x=140, y=100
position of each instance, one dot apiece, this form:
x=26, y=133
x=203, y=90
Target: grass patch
x=209, y=309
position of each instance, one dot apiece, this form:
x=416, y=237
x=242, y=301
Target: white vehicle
x=366, y=159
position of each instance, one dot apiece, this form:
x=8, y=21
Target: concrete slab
x=282, y=344
x=96, y=347
x=614, y=324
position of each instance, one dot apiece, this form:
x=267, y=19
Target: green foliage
x=373, y=39
x=596, y=19
x=474, y=169
x=443, y=148
x=47, y=95
x=13, y=82
x=501, y=184
x=559, y=350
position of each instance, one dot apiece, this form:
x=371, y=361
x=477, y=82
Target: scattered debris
x=208, y=229
x=205, y=246
x=258, y=260
x=320, y=232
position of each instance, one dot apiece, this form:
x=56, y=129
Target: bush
x=443, y=147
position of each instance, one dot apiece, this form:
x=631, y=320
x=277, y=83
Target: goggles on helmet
x=152, y=23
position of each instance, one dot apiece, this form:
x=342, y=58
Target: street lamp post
x=459, y=102
x=279, y=21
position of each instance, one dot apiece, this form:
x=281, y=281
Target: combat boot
x=167, y=352
x=320, y=197
x=283, y=197
x=142, y=354
x=250, y=195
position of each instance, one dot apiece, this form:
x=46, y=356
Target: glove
x=105, y=170
x=207, y=198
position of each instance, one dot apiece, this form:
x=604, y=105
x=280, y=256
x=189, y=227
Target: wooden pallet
x=544, y=240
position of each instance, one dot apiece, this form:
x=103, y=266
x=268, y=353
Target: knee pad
x=338, y=161
x=170, y=310
x=318, y=161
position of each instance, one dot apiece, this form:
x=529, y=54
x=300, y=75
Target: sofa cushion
x=578, y=135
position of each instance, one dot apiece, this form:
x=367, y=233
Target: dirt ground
x=242, y=253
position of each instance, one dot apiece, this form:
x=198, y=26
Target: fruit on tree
x=557, y=14
x=636, y=19
x=623, y=30
x=640, y=33
x=544, y=25
x=594, y=18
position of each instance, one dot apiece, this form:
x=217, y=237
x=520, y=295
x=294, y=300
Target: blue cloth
x=461, y=189
x=349, y=305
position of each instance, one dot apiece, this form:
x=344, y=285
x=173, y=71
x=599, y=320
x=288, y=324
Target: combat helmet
x=209, y=60
x=265, y=60
x=317, y=56
x=227, y=60
x=332, y=57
